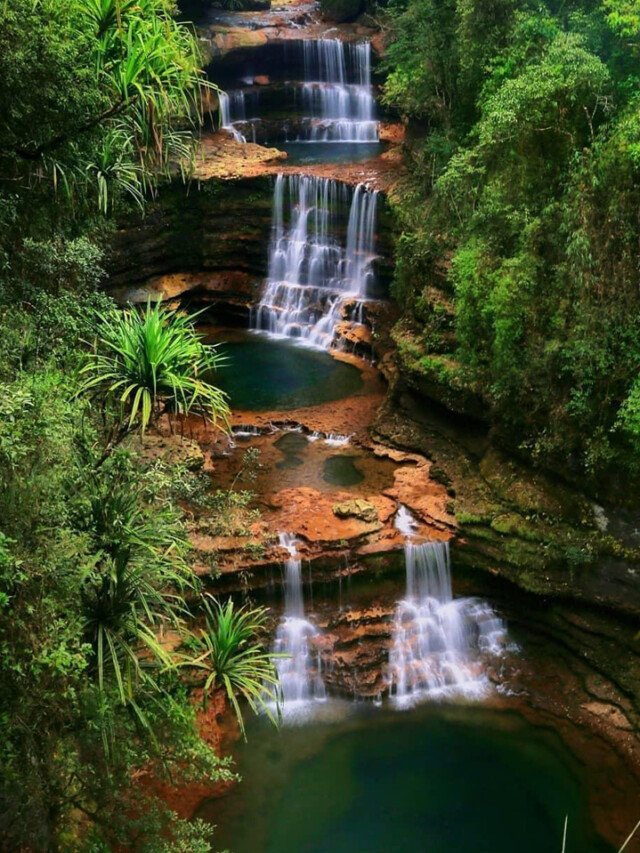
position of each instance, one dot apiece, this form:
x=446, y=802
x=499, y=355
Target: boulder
x=357, y=508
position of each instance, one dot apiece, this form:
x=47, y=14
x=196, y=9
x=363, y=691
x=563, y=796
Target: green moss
x=463, y=517
x=512, y=524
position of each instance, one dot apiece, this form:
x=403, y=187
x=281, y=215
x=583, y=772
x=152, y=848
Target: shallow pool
x=304, y=153
x=264, y=373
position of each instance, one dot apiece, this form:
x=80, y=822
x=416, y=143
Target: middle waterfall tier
x=332, y=100
x=321, y=258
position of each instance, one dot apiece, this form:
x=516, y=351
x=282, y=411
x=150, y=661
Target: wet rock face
x=208, y=244
x=210, y=241
x=339, y=11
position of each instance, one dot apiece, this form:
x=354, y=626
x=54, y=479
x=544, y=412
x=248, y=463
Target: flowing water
x=232, y=110
x=337, y=95
x=447, y=774
x=299, y=668
x=320, y=268
x=333, y=102
x=440, y=643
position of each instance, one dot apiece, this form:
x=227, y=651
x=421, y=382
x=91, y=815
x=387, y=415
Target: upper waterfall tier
x=318, y=274
x=326, y=95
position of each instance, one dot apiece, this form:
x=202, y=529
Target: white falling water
x=299, y=672
x=311, y=272
x=232, y=110
x=439, y=643
x=337, y=94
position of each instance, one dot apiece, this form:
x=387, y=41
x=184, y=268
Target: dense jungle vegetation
x=518, y=262
x=98, y=103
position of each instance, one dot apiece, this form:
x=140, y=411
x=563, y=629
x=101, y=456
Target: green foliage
x=124, y=596
x=522, y=213
x=99, y=100
x=152, y=361
x=85, y=554
x=623, y=16
x=94, y=580
x=229, y=654
x=100, y=96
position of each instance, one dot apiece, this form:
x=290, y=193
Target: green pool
x=433, y=780
x=263, y=373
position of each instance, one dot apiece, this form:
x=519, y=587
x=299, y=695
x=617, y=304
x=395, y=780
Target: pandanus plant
x=229, y=652
x=132, y=590
x=152, y=361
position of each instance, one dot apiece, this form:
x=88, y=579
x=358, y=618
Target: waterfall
x=438, y=641
x=330, y=98
x=232, y=110
x=337, y=93
x=311, y=273
x=300, y=671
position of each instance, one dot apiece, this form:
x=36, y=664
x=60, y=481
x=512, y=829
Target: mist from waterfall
x=440, y=643
x=317, y=277
x=299, y=670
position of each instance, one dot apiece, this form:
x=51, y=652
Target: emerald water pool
x=437, y=779
x=264, y=373
x=305, y=153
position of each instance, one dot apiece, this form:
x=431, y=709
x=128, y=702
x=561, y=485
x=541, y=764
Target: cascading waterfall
x=311, y=275
x=234, y=106
x=333, y=102
x=438, y=642
x=232, y=109
x=337, y=94
x=300, y=672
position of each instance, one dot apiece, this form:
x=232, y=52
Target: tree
x=74, y=544
x=518, y=253
x=101, y=96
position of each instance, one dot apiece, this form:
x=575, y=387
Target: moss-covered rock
x=438, y=377
x=514, y=522
x=357, y=508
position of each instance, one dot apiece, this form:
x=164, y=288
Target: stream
x=419, y=710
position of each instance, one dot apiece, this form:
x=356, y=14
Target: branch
x=36, y=153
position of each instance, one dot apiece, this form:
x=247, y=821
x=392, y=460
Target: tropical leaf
x=153, y=360
x=231, y=654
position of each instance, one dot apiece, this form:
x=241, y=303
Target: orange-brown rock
x=308, y=513
x=425, y=498
x=234, y=284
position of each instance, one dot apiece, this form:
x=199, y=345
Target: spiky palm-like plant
x=149, y=84
x=133, y=588
x=153, y=360
x=231, y=654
